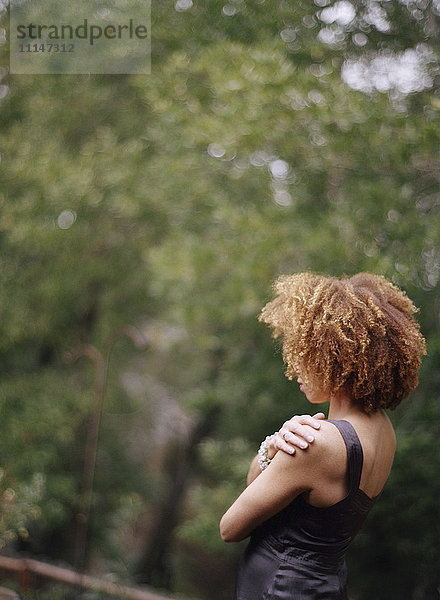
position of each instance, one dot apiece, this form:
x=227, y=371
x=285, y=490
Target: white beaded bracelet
x=263, y=456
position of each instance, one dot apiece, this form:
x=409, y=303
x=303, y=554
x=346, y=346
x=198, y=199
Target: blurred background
x=143, y=220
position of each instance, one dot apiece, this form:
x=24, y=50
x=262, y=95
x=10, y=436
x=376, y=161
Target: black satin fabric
x=299, y=553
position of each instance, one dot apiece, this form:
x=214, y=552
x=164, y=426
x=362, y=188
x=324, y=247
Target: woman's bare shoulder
x=331, y=450
x=330, y=467
x=324, y=459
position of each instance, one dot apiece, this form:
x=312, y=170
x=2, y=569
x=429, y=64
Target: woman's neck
x=342, y=407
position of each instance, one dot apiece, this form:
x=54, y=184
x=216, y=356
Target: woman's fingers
x=295, y=440
x=300, y=425
x=280, y=443
x=297, y=432
x=319, y=415
x=308, y=420
x=286, y=441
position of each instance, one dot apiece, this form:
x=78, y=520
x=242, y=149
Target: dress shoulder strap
x=354, y=452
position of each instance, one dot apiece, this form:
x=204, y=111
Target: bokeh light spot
x=279, y=169
x=288, y=35
x=228, y=10
x=341, y=13
x=66, y=219
x=216, y=150
x=182, y=5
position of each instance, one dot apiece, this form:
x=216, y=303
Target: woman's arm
x=254, y=471
x=286, y=477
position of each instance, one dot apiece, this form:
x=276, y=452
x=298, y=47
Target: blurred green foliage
x=171, y=202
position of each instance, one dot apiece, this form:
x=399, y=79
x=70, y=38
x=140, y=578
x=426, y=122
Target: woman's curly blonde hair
x=356, y=334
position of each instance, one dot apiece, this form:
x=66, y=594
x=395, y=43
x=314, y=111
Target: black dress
x=299, y=553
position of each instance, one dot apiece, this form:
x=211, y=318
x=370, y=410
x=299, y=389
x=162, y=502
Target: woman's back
x=378, y=442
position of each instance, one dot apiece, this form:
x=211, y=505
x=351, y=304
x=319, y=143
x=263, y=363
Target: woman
x=352, y=342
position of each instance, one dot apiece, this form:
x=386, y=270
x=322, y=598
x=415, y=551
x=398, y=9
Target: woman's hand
x=297, y=432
